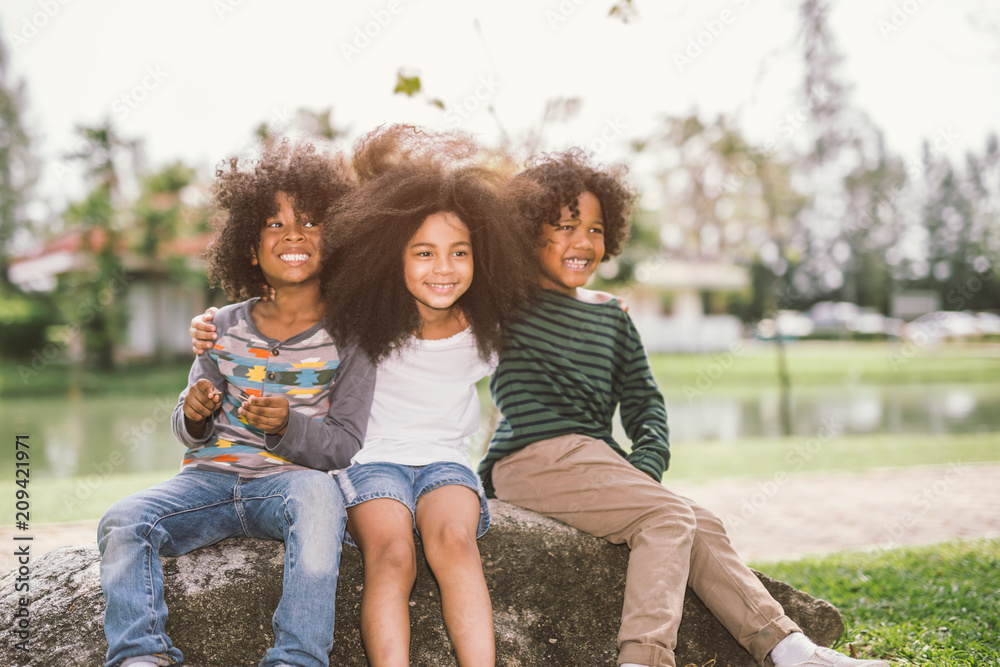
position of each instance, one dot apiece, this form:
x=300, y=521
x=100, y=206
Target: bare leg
x=383, y=529
x=448, y=518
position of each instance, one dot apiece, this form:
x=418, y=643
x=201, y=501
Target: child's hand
x=269, y=414
x=622, y=304
x=201, y=401
x=203, y=332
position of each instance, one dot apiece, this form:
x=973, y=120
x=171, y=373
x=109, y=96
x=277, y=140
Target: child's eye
x=598, y=230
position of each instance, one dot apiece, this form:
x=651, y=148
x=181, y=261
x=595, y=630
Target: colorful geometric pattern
x=302, y=372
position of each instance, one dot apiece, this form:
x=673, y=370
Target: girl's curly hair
x=407, y=176
x=563, y=177
x=245, y=198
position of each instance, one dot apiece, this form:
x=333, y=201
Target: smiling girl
x=430, y=269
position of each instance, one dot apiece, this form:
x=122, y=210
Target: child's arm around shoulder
x=597, y=296
x=329, y=444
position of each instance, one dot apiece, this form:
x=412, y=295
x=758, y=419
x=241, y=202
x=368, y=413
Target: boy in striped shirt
x=569, y=361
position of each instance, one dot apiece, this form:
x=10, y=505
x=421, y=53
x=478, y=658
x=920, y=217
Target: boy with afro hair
x=570, y=360
x=272, y=404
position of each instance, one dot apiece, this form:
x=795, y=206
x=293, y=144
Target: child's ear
x=253, y=256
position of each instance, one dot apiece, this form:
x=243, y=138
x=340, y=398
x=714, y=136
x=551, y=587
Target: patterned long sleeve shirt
x=329, y=392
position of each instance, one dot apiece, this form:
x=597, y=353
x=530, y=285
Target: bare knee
x=452, y=541
x=396, y=558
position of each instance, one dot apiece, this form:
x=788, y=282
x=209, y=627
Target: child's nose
x=443, y=265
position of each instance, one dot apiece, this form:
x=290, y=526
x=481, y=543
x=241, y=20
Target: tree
x=91, y=302
x=18, y=166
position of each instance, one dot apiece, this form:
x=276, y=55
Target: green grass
x=815, y=363
x=936, y=605
x=22, y=380
x=77, y=498
x=763, y=457
x=810, y=363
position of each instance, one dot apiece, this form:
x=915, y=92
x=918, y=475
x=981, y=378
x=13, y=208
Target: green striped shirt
x=566, y=366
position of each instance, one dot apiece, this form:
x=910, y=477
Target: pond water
x=107, y=436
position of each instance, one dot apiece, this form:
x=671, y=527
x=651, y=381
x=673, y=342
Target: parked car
x=869, y=322
x=988, y=323
x=791, y=324
x=942, y=324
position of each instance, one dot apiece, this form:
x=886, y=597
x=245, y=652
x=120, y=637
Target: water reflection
x=106, y=436
x=936, y=409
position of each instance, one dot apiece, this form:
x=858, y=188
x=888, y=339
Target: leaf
x=407, y=85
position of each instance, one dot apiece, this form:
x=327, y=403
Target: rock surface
x=557, y=597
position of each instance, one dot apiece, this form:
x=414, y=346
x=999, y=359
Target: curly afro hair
x=563, y=177
x=408, y=175
x=245, y=199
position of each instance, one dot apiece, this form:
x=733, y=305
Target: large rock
x=557, y=597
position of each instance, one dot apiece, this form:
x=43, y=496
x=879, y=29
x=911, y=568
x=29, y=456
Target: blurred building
x=159, y=303
x=686, y=327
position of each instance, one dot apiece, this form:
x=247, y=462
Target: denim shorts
x=367, y=481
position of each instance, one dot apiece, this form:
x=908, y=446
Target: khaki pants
x=674, y=543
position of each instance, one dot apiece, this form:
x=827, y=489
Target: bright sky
x=192, y=78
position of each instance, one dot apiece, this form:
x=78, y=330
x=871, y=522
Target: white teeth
x=576, y=263
x=297, y=257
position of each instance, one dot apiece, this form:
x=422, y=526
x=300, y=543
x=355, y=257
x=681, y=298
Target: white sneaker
x=826, y=657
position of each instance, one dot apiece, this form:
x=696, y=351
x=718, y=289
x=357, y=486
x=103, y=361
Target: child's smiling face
x=570, y=249
x=437, y=263
x=288, y=250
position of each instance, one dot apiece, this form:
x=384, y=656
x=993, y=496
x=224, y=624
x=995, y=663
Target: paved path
x=776, y=520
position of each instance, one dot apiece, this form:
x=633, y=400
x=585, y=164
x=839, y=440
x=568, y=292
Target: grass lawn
x=936, y=605
x=826, y=362
x=810, y=363
x=22, y=380
x=763, y=457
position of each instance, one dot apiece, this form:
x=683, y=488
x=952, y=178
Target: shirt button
x=274, y=352
x=271, y=376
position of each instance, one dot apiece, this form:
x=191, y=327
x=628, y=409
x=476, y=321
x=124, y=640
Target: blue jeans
x=362, y=482
x=302, y=508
